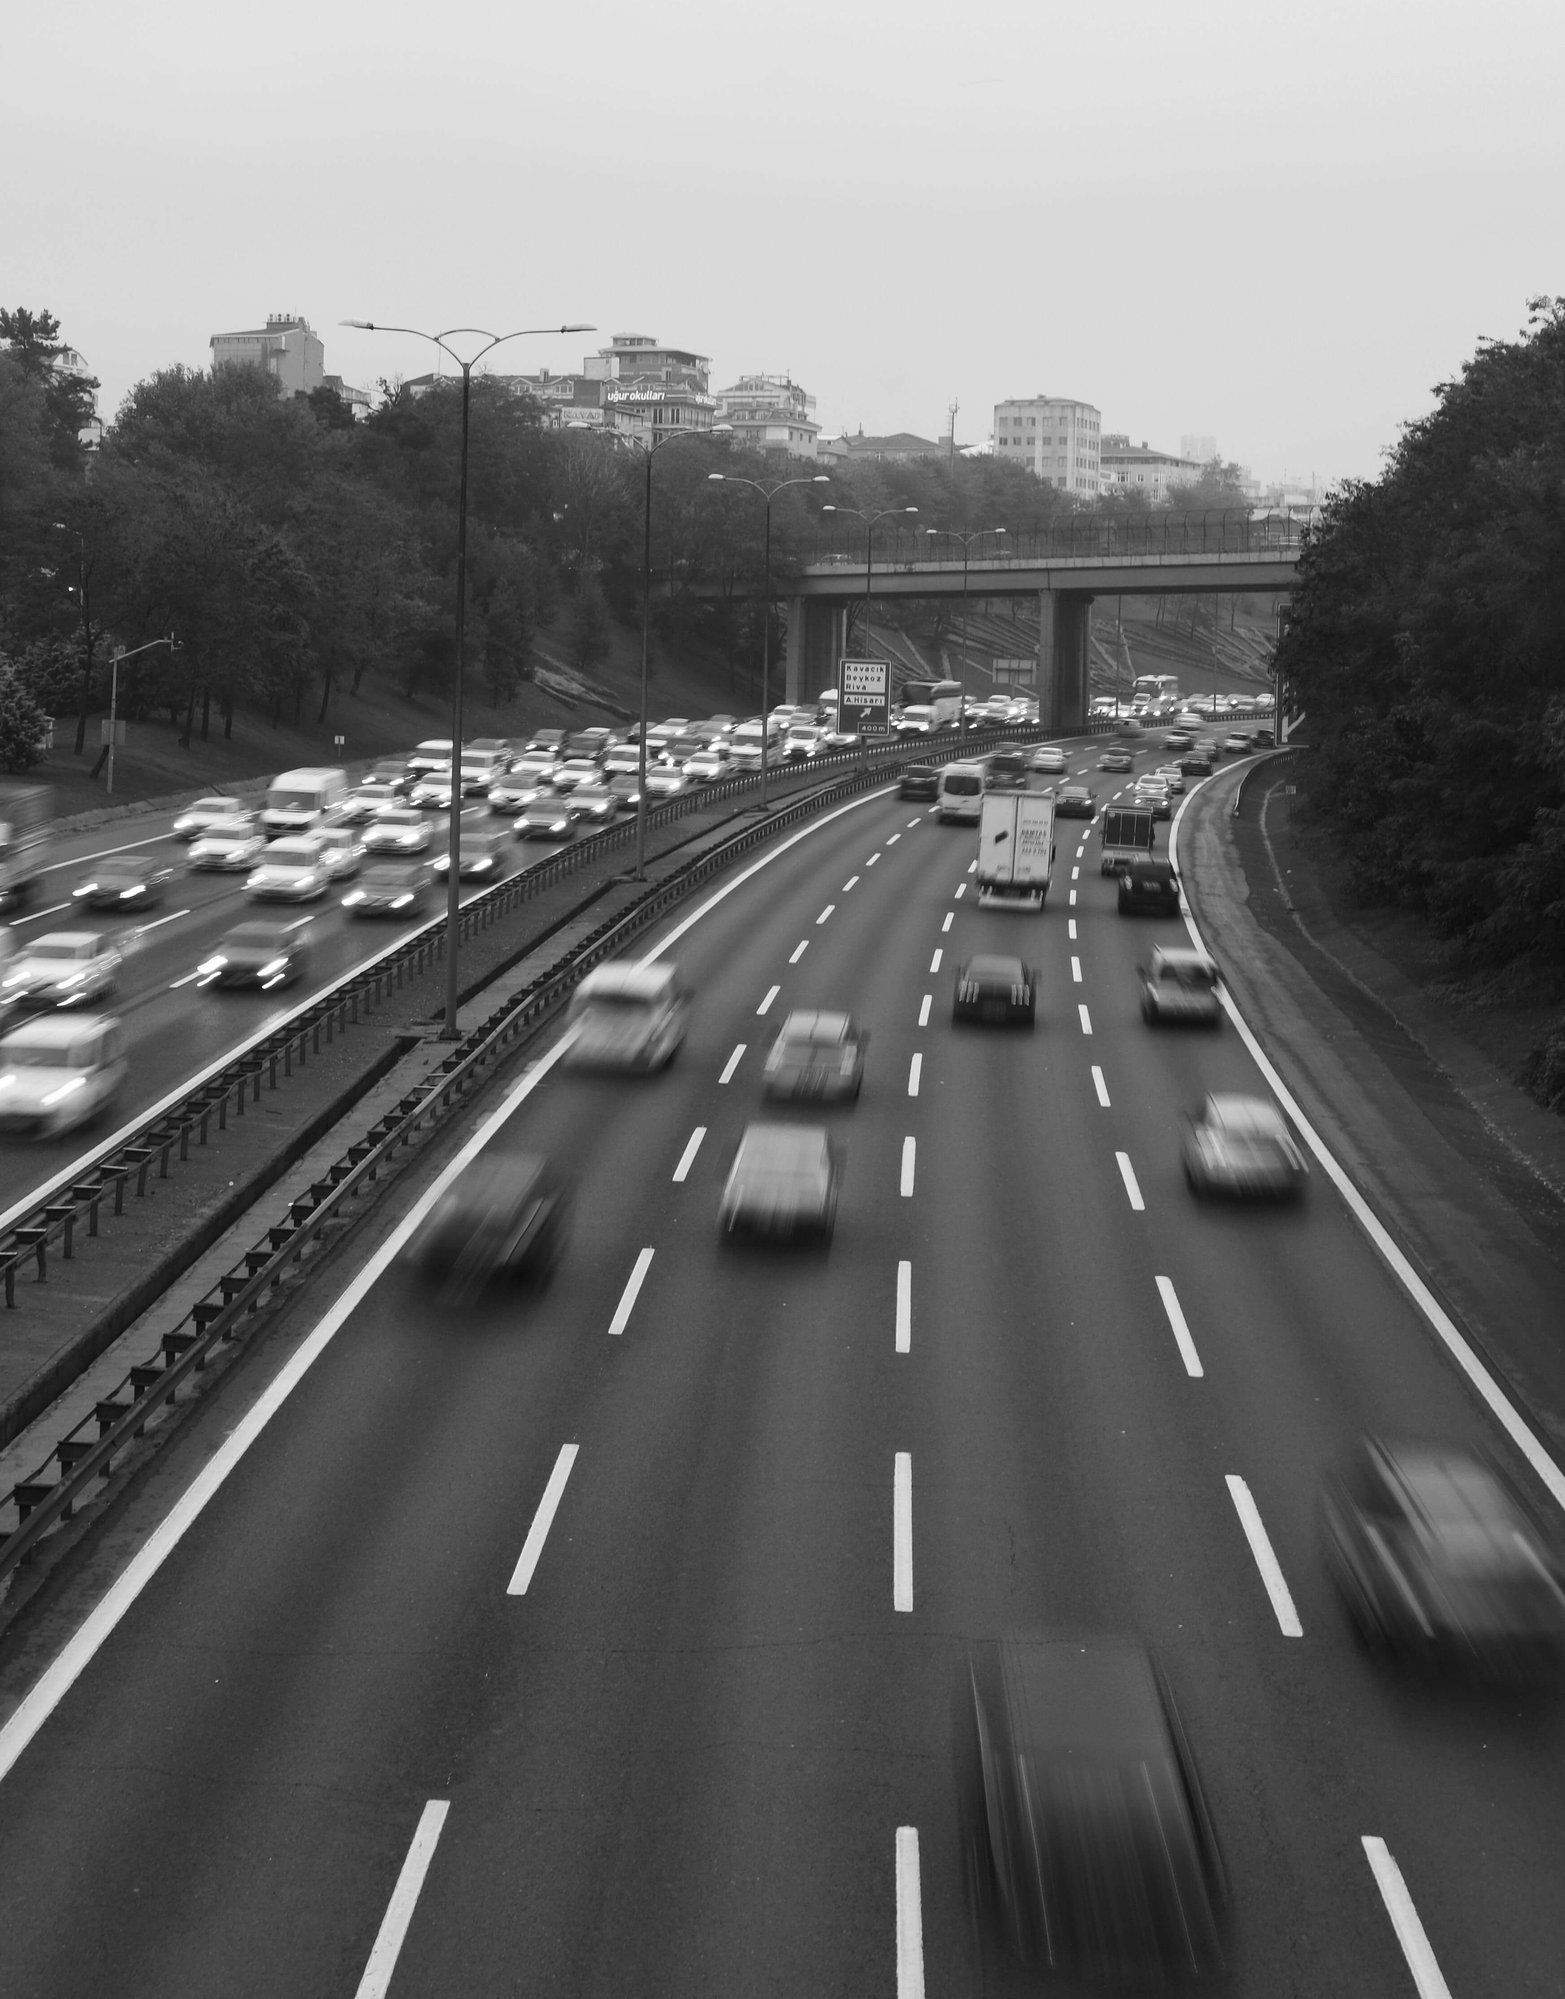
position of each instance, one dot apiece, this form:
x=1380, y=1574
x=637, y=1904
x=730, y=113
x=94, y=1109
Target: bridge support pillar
x=814, y=646
x=1064, y=626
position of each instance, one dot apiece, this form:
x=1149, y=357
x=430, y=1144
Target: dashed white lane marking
x=158, y=922
x=175, y=984
x=1081, y=850
x=914, y=822
x=404, y=1898
x=543, y=1519
x=1426, y=1972
x=1086, y=1020
x=934, y=963
x=972, y=867
x=1075, y=874
x=910, y=1917
x=1127, y=1173
x=915, y=1069
x=1265, y=1560
x=849, y=883
x=626, y=1305
x=1076, y=971
x=947, y=924
x=38, y=914
x=731, y=1064
x=1101, y=1087
x=923, y=1011
x=904, y=1308
x=1176, y=1319
x=894, y=839
x=825, y=913
x=909, y=1164
x=1071, y=929
x=961, y=890
x=1073, y=898
x=771, y=994
x=687, y=1158
x=872, y=860
x=902, y=1532
x=798, y=951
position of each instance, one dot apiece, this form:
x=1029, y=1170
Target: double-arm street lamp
x=967, y=540
x=450, y=1031
x=870, y=523
x=768, y=494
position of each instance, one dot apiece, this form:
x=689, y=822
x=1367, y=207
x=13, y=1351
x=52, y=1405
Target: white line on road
x=175, y=984
x=687, y=1158
x=633, y=1284
x=731, y=1064
x=923, y=1010
x=1071, y=930
x=894, y=839
x=1076, y=970
x=972, y=867
x=1265, y=1560
x=910, y=1917
x=798, y=952
x=915, y=1069
x=1100, y=1086
x=826, y=912
x=849, y=883
x=934, y=963
x=872, y=860
x=1086, y=1020
x=1127, y=1173
x=947, y=924
x=1081, y=850
x=909, y=1163
x=902, y=1533
x=543, y=1519
x=102, y=854
x=914, y=822
x=1404, y=1919
x=771, y=994
x=38, y=914
x=158, y=923
x=961, y=890
x=404, y=1897
x=1075, y=874
x=1176, y=1319
x=1073, y=898
x=904, y=1308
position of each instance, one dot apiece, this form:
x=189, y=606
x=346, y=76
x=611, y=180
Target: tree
x=22, y=724
x=1219, y=489
x=34, y=343
x=589, y=628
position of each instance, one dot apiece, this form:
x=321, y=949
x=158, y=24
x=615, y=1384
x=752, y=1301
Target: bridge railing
x=1232, y=532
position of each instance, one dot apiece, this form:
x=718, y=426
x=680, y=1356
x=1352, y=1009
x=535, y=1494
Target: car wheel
x=1147, y=1013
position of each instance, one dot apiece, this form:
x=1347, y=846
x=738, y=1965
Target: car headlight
x=353, y=896
x=129, y=894
x=87, y=888
x=401, y=901
x=209, y=965
x=68, y=979
x=274, y=965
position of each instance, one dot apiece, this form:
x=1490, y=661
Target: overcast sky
x=1280, y=225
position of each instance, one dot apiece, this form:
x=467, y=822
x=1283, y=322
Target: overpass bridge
x=1063, y=567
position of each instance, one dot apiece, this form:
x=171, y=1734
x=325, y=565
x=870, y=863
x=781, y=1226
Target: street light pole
x=450, y=1031
x=117, y=655
x=768, y=494
x=967, y=540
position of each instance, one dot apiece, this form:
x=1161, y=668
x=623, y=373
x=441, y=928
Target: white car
x=365, y=800
x=627, y=1016
x=707, y=766
x=228, y=849
x=624, y=759
x=343, y=851
x=66, y=968
x=432, y=755
x=432, y=790
x=56, y=1074
x=574, y=771
x=665, y=782
x=1047, y=757
x=206, y=813
x=398, y=830
x=538, y=767
x=294, y=870
x=515, y=794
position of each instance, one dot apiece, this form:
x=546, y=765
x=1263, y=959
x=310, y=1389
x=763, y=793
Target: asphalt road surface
x=598, y=1642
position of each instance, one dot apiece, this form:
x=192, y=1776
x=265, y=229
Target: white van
x=960, y=797
x=301, y=800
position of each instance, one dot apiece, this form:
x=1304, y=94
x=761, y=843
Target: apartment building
x=770, y=413
x=1056, y=438
x=1138, y=468
x=287, y=347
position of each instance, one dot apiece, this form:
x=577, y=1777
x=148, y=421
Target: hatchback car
x=432, y=793
x=514, y=794
x=547, y=818
x=995, y=989
x=261, y=954
x=709, y=766
x=231, y=849
x=215, y=811
x=504, y=1216
x=342, y=850
x=1116, y=760
x=1048, y=757
x=1243, y=1146
x=817, y=1057
x=295, y=869
x=1197, y=764
x=1074, y=801
x=1442, y=1564
x=626, y=787
x=1236, y=745
x=919, y=781
x=392, y=888
x=479, y=856
x=782, y=1184
x=56, y=1074
x=576, y=770
x=399, y=830
x=65, y=968
x=665, y=782
x=124, y=881
x=595, y=803
x=628, y=1016
x=1179, y=984
x=365, y=800
x=1148, y=888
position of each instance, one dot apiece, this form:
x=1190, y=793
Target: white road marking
x=1127, y=1173
x=543, y=1519
x=914, y=822
x=1073, y=898
x=894, y=839
x=1399, y=1907
x=947, y=924
x=633, y=1284
x=923, y=1011
x=915, y=1069
x=972, y=867
x=771, y=994
x=1265, y=1560
x=910, y=1917
x=1176, y=1319
x=849, y=883
x=872, y=860
x=902, y=1532
x=1071, y=929
x=39, y=914
x=731, y=1064
x=687, y=1158
x=798, y=952
x=1075, y=874
x=158, y=922
x=185, y=981
x=904, y=1308
x=1100, y=1086
x=934, y=963
x=1076, y=970
x=404, y=1898
x=1086, y=1020
x=909, y=1159
x=1081, y=850
x=960, y=891
x=102, y=854
x=826, y=912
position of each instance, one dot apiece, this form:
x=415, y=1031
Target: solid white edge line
x=628, y=1296
x=910, y=1917
x=404, y=1898
x=771, y=994
x=1415, y=1944
x=543, y=1520
x=909, y=1164
x=902, y=1532
x=915, y=1070
x=732, y=1063
x=1265, y=1560
x=923, y=1011
x=904, y=1308
x=1396, y=1260
x=1086, y=1019
x=1101, y=1087
x=687, y=1157
x=1127, y=1173
x=1176, y=1319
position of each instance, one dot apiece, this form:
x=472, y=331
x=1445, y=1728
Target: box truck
x=1015, y=849
x=26, y=827
x=1128, y=835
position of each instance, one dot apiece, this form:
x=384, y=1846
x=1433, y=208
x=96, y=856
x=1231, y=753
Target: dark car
x=598, y=804
x=1006, y=770
x=262, y=953
x=1074, y=801
x=505, y=1215
x=1149, y=888
x=548, y=818
x=1087, y=1845
x=1442, y=1563
x=124, y=881
x=919, y=781
x=1195, y=766
x=816, y=1056
x=392, y=888
x=626, y=787
x=394, y=773
x=1263, y=739
x=548, y=739
x=995, y=989
x=782, y=1184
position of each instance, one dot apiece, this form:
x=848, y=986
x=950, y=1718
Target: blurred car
x=1195, y=765
x=574, y=771
x=835, y=738
x=260, y=953
x=514, y=794
x=479, y=856
x=626, y=787
x=1442, y=1564
x=1074, y=801
x=65, y=968
x=595, y=803
x=664, y=782
x=228, y=849
x=552, y=740
x=817, y=1056
x=56, y=1074
x=919, y=781
x=294, y=869
x=532, y=766
x=803, y=742
x=1180, y=984
x=1048, y=757
x=365, y=800
x=782, y=1184
x=342, y=850
x=547, y=818
x=622, y=759
x=393, y=772
x=1087, y=1844
x=1242, y=1146
x=504, y=1216
x=1148, y=888
x=995, y=989
x=1178, y=739
x=392, y=888
x=432, y=792
x=433, y=755
x=1116, y=760
x=709, y=766
x=1263, y=739
x=1172, y=776
x=207, y=812
x=1005, y=770
x=124, y=881
x=1236, y=744
x=628, y=1016
x=1206, y=746
x=1154, y=797
x=397, y=829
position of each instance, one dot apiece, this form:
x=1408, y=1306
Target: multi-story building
x=652, y=388
x=1202, y=448
x=1138, y=468
x=569, y=402
x=286, y=347
x=897, y=448
x=1057, y=439
x=770, y=413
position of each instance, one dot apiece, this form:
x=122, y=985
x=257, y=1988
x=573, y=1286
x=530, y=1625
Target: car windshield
x=963, y=783
x=1195, y=976
x=64, y=949
x=215, y=805
x=400, y=815
x=257, y=937
x=292, y=854
x=391, y=877
x=34, y=1055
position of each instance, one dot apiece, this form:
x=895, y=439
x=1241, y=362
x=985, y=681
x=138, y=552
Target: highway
x=600, y=1643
